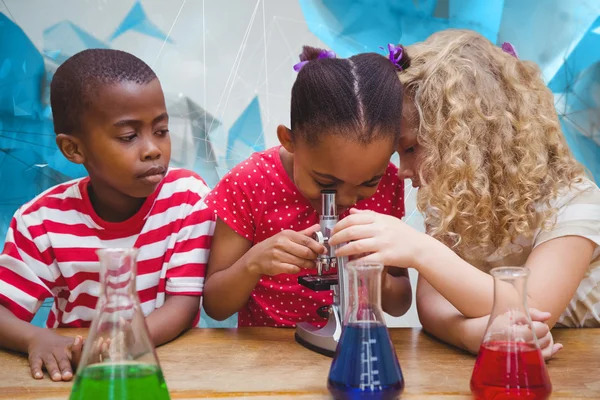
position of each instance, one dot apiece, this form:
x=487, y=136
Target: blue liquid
x=365, y=365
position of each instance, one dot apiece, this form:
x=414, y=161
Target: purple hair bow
x=395, y=55
x=510, y=49
x=322, y=54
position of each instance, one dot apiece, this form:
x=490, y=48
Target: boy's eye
x=163, y=132
x=325, y=185
x=127, y=138
x=409, y=150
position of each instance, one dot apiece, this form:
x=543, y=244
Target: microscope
x=324, y=340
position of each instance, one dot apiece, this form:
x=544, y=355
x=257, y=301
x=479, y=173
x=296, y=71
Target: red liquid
x=510, y=371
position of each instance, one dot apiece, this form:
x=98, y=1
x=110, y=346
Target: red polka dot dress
x=257, y=199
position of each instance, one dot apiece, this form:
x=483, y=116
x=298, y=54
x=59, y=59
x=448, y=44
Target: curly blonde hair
x=492, y=149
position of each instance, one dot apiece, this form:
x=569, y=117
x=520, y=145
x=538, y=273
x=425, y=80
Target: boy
x=109, y=115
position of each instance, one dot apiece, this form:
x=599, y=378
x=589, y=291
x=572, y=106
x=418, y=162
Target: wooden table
x=266, y=363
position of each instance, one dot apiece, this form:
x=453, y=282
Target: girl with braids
x=498, y=186
x=345, y=123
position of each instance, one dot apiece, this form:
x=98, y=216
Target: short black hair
x=359, y=97
x=75, y=81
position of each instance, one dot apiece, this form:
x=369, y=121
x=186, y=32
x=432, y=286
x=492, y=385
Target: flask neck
x=364, y=293
x=510, y=290
x=509, y=321
x=117, y=272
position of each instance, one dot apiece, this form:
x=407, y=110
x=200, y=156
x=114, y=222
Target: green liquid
x=120, y=382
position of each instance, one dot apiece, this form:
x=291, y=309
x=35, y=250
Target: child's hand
x=373, y=238
x=58, y=354
x=543, y=333
x=513, y=324
x=285, y=253
x=117, y=347
x=541, y=330
x=121, y=346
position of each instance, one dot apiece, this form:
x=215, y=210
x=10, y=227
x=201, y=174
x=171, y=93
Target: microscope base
x=321, y=340
x=315, y=348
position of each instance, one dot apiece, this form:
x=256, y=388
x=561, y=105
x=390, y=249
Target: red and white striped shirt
x=50, y=249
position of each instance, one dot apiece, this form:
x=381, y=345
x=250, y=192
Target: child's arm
x=442, y=320
x=174, y=317
x=396, y=293
x=556, y=266
x=229, y=281
x=58, y=354
x=235, y=266
x=186, y=263
x=26, y=276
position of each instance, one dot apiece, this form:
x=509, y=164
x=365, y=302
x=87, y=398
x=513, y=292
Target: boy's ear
x=71, y=147
x=285, y=138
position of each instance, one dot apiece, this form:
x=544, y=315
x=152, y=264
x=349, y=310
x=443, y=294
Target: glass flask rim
x=359, y=265
x=509, y=272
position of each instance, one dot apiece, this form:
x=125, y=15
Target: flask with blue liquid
x=365, y=365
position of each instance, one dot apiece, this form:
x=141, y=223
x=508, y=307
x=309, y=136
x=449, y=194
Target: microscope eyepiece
x=328, y=204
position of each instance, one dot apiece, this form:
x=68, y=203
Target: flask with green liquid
x=118, y=359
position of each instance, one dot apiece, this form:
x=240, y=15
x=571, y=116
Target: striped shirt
x=51, y=244
x=578, y=214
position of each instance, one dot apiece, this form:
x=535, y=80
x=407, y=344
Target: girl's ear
x=285, y=138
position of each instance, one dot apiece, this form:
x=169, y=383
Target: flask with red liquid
x=510, y=364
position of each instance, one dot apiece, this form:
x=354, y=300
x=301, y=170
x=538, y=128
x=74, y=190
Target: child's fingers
x=52, y=367
x=127, y=337
x=545, y=341
x=288, y=258
x=76, y=350
x=64, y=365
x=305, y=247
x=298, y=250
x=125, y=325
x=285, y=268
x=521, y=330
x=551, y=350
x=353, y=233
x=556, y=348
x=35, y=363
x=309, y=231
x=540, y=329
x=104, y=349
x=77, y=342
x=358, y=247
x=363, y=218
x=537, y=315
x=97, y=350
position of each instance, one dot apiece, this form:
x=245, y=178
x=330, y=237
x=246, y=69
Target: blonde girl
x=498, y=186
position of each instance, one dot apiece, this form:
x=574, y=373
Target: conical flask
x=118, y=359
x=510, y=364
x=365, y=365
